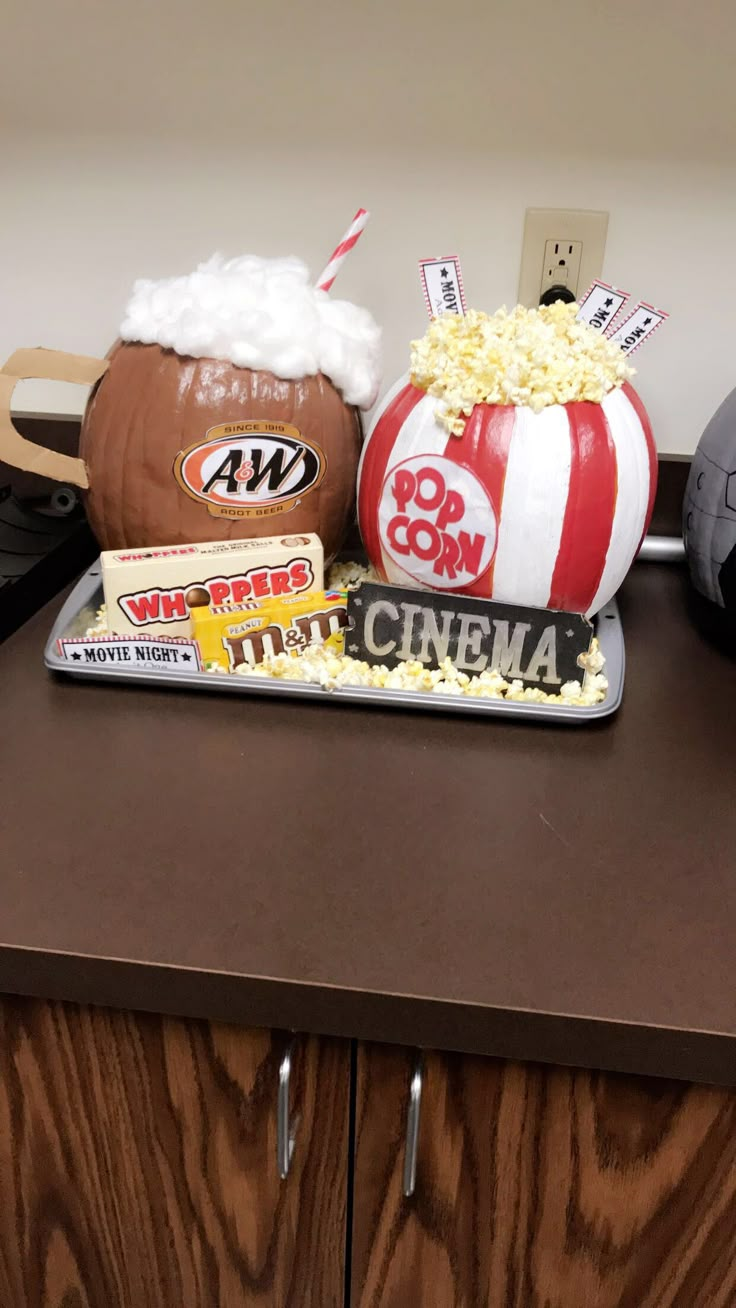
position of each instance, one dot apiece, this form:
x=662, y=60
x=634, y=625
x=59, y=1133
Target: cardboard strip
x=52, y=365
x=442, y=284
x=641, y=323
x=600, y=305
x=55, y=365
x=155, y=653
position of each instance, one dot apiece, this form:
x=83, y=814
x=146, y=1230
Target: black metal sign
x=390, y=624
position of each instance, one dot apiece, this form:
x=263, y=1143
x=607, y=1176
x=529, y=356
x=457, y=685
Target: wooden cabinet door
x=138, y=1164
x=542, y=1188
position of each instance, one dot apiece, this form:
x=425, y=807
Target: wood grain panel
x=542, y=1187
x=138, y=1164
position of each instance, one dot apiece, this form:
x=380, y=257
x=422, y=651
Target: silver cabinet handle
x=285, y=1132
x=412, y=1129
x=662, y=549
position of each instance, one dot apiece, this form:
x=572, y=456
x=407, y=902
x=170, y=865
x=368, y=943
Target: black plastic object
x=555, y=293
x=43, y=546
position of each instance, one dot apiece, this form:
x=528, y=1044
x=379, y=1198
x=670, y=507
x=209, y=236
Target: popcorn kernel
x=533, y=357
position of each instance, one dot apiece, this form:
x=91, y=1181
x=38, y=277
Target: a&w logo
x=250, y=469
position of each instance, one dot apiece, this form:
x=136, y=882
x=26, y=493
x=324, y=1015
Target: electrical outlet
x=562, y=247
x=561, y=267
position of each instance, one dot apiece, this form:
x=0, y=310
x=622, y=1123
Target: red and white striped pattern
x=571, y=490
x=340, y=254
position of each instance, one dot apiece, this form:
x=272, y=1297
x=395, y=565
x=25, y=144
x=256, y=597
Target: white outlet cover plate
x=561, y=264
x=590, y=226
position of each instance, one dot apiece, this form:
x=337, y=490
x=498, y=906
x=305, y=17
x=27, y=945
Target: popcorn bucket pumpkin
x=492, y=474
x=229, y=409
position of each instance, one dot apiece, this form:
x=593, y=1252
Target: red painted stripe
x=346, y=245
x=337, y=257
x=484, y=449
x=643, y=417
x=375, y=462
x=589, y=513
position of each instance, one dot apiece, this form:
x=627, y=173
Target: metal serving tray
x=80, y=608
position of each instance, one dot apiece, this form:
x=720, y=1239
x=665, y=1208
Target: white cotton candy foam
x=260, y=314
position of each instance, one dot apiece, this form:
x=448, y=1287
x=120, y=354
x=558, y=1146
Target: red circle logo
x=436, y=522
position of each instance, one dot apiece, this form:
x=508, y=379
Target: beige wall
x=137, y=139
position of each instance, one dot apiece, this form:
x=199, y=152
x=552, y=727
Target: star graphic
x=76, y=654
x=443, y=272
x=358, y=602
x=353, y=648
x=647, y=322
x=608, y=303
x=186, y=658
x=569, y=633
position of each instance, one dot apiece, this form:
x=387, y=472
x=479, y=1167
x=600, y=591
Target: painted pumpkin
x=544, y=509
x=184, y=449
x=709, y=510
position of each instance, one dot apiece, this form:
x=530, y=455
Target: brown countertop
x=545, y=893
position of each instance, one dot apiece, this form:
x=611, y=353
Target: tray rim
x=609, y=629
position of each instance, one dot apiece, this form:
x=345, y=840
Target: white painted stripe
x=632, y=494
x=533, y=507
x=387, y=399
x=378, y=413
x=420, y=434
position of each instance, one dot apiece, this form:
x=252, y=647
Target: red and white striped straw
x=339, y=255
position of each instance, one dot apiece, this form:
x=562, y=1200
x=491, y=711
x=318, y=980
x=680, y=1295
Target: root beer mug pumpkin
x=515, y=462
x=228, y=408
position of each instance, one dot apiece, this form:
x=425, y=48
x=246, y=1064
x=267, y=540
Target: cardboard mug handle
x=51, y=365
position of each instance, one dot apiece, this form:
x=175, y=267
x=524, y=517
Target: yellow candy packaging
x=229, y=635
